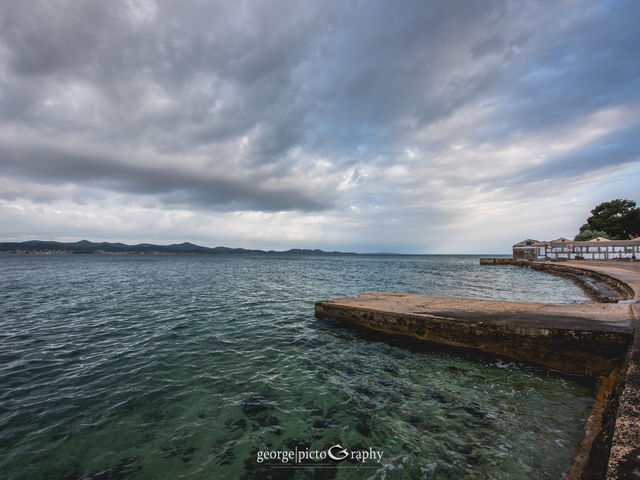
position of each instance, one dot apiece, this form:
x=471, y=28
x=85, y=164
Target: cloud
x=171, y=183
x=364, y=124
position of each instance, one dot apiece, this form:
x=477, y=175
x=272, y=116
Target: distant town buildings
x=597, y=249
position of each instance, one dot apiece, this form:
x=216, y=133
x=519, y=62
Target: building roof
x=524, y=243
x=560, y=240
x=637, y=239
x=600, y=239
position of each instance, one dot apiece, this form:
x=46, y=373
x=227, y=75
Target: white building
x=597, y=249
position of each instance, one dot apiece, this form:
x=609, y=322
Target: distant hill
x=87, y=247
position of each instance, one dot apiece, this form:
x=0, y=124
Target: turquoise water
x=147, y=367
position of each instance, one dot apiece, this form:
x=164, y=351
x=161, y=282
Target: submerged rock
x=414, y=418
x=406, y=390
x=399, y=354
x=226, y=457
x=240, y=424
x=126, y=467
x=300, y=442
x=185, y=453
x=254, y=404
x=321, y=423
x=437, y=396
x=153, y=415
x=365, y=390
x=268, y=421
x=363, y=428
x=475, y=410
x=391, y=368
x=331, y=411
x=433, y=428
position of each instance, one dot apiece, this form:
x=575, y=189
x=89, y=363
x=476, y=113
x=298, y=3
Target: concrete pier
x=581, y=339
x=601, y=340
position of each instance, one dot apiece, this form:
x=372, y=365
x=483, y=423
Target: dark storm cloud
x=264, y=90
x=225, y=69
x=171, y=185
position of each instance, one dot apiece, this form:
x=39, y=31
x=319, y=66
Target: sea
x=214, y=367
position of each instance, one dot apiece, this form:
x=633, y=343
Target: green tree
x=619, y=219
x=586, y=235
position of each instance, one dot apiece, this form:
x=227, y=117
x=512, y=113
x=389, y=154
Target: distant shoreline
x=107, y=248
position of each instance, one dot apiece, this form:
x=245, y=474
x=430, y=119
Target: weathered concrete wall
x=592, y=458
x=624, y=458
x=497, y=261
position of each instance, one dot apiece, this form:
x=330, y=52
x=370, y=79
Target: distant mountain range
x=84, y=246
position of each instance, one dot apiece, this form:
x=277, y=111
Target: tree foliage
x=586, y=235
x=618, y=219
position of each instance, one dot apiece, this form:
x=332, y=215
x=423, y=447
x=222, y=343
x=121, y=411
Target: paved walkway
x=628, y=272
x=607, y=317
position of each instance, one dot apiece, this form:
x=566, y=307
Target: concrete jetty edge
x=579, y=274
x=601, y=340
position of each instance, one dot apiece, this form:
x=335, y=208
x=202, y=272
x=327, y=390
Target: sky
x=366, y=126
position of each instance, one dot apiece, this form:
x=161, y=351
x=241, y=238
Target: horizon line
x=247, y=249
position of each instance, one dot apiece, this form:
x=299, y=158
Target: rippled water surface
x=146, y=367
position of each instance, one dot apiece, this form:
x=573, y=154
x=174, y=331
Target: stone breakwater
x=601, y=340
